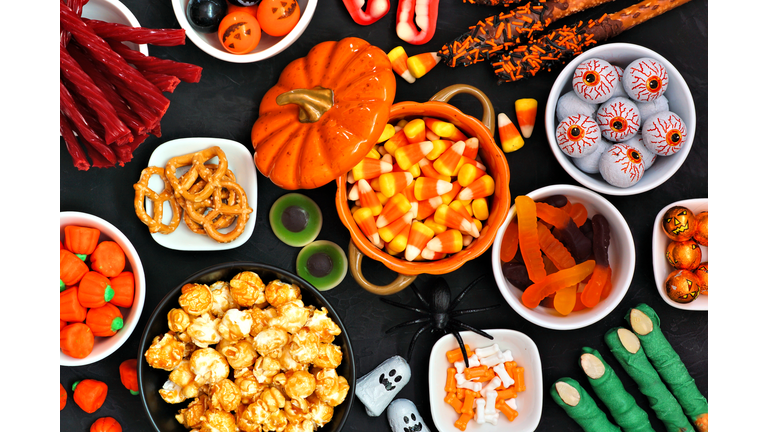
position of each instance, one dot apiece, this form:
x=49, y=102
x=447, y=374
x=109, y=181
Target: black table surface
x=224, y=104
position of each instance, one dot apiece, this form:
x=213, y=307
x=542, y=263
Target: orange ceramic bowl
x=492, y=157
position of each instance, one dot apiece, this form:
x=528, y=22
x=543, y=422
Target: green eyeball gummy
x=323, y=264
x=295, y=219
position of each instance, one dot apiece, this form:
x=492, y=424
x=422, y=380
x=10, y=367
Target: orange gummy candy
x=550, y=284
x=553, y=249
x=509, y=242
x=528, y=239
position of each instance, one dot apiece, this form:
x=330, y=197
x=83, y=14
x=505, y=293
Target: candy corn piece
x=422, y=63
x=388, y=232
x=399, y=60
x=428, y=169
x=389, y=132
x=449, y=196
x=480, y=209
x=375, y=183
x=394, y=182
x=444, y=215
x=350, y=177
x=479, y=188
x=465, y=160
x=526, y=115
x=415, y=131
x=398, y=140
x=370, y=168
x=411, y=154
x=427, y=207
x=395, y=208
x=400, y=241
x=427, y=187
x=448, y=162
x=442, y=128
x=466, y=240
x=439, y=146
x=471, y=147
x=373, y=154
x=430, y=136
x=449, y=241
x=434, y=226
x=431, y=255
x=368, y=197
x=354, y=193
x=461, y=209
x=419, y=236
x=468, y=173
x=387, y=158
x=509, y=135
x=366, y=222
x=401, y=123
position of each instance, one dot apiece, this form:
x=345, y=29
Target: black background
x=224, y=104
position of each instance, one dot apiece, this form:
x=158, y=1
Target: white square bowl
x=661, y=267
x=239, y=160
x=529, y=402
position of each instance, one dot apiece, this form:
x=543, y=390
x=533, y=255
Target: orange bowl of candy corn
x=435, y=191
x=561, y=282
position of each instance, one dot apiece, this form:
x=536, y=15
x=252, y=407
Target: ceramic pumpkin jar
x=324, y=114
x=492, y=157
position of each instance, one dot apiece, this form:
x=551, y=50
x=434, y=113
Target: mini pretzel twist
x=197, y=169
x=155, y=222
x=238, y=208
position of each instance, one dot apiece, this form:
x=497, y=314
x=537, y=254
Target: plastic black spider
x=440, y=314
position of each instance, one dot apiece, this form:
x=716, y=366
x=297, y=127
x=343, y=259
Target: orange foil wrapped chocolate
x=684, y=254
x=682, y=286
x=679, y=223
x=701, y=235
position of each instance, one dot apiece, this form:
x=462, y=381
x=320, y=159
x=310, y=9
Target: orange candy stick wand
x=509, y=135
x=399, y=59
x=534, y=294
x=601, y=240
x=422, y=63
x=528, y=238
x=525, y=110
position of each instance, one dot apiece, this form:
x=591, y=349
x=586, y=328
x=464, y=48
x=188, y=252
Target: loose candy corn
x=422, y=63
x=388, y=132
x=409, y=155
x=427, y=187
x=399, y=59
x=394, y=182
x=525, y=110
x=509, y=135
x=418, y=238
x=415, y=131
x=370, y=168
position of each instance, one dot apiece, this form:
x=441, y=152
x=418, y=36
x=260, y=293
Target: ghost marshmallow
x=403, y=416
x=377, y=388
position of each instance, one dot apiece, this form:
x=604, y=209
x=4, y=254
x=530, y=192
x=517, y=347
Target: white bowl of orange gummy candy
x=621, y=258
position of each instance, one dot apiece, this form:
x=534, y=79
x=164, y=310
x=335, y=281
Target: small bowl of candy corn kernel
x=564, y=258
x=431, y=194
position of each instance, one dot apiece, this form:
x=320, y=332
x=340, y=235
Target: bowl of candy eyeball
x=620, y=119
x=586, y=260
x=244, y=31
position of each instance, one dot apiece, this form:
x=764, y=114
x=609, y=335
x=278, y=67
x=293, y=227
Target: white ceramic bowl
x=239, y=161
x=115, y=12
x=104, y=346
x=268, y=45
x=661, y=267
x=680, y=102
x=621, y=257
x=529, y=402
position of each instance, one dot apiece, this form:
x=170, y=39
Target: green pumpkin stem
x=109, y=293
x=117, y=324
x=313, y=103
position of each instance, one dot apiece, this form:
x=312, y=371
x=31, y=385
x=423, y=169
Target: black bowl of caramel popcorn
x=246, y=347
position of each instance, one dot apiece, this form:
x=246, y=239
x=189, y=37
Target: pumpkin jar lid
x=324, y=115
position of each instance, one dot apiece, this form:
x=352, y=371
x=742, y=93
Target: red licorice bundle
x=110, y=103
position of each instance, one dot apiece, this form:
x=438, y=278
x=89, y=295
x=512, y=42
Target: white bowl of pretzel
x=198, y=194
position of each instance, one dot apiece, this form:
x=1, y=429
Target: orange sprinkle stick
x=505, y=409
x=519, y=381
x=528, y=239
x=534, y=294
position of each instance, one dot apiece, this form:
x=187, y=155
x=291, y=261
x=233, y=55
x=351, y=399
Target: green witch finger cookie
x=625, y=346
x=608, y=387
x=645, y=323
x=580, y=406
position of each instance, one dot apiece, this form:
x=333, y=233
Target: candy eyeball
x=577, y=136
x=618, y=119
x=571, y=104
x=590, y=163
x=664, y=133
x=645, y=79
x=647, y=109
x=648, y=157
x=622, y=165
x=595, y=80
x=620, y=92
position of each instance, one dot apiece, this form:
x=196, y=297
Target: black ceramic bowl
x=161, y=414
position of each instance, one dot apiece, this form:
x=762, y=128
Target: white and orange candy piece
x=525, y=110
x=396, y=207
x=388, y=232
x=448, y=162
x=479, y=188
x=415, y=131
x=398, y=244
x=410, y=155
x=418, y=238
x=399, y=60
x=428, y=187
x=426, y=208
x=468, y=173
x=397, y=140
x=367, y=223
x=509, y=135
x=449, y=241
x=368, y=197
x=471, y=147
x=394, y=182
x=422, y=63
x=387, y=133
x=438, y=147
x=369, y=168
x=428, y=169
x=445, y=215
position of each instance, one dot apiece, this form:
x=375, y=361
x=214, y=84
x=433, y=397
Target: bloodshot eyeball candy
x=622, y=165
x=645, y=79
x=577, y=136
x=619, y=119
x=664, y=133
x=595, y=80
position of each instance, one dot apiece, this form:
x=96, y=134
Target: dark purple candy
x=516, y=274
x=586, y=228
x=601, y=239
x=558, y=201
x=579, y=245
